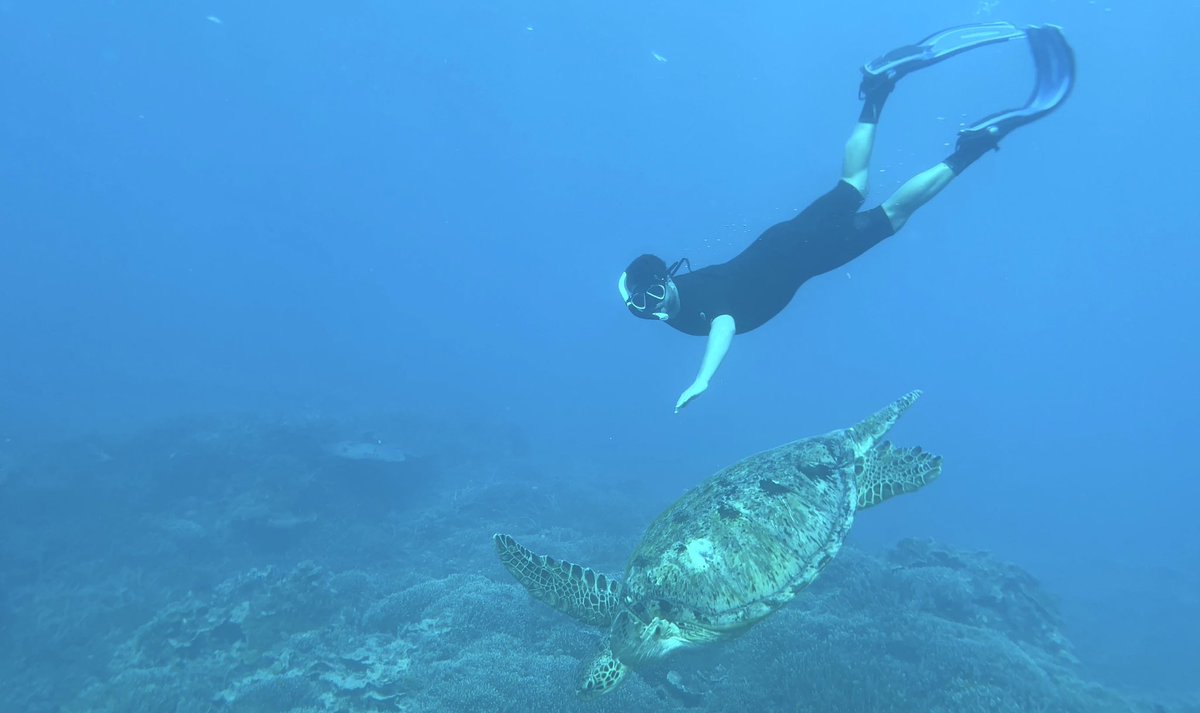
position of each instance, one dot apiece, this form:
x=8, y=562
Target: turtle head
x=635, y=640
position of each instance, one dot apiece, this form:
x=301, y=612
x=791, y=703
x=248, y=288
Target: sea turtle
x=732, y=550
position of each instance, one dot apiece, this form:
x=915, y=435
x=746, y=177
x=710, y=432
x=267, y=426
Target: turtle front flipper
x=889, y=471
x=602, y=674
x=574, y=590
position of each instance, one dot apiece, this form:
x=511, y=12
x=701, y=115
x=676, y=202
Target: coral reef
x=923, y=629
x=241, y=566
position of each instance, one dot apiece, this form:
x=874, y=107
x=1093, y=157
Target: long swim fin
x=883, y=71
x=1054, y=62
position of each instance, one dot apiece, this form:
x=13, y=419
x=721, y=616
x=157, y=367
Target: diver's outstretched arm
x=720, y=336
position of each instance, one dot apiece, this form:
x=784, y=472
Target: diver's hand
x=697, y=388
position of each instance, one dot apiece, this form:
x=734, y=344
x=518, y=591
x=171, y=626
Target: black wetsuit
x=754, y=286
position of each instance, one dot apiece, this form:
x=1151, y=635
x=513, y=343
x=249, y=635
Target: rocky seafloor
x=262, y=565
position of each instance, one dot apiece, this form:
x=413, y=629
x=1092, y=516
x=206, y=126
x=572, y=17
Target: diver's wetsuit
x=754, y=286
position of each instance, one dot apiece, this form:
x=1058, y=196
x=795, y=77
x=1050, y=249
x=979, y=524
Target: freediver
x=742, y=294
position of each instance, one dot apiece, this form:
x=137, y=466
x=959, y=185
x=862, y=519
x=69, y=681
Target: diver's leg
x=916, y=192
x=856, y=160
x=921, y=188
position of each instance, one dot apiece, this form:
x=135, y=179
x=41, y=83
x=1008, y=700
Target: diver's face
x=668, y=307
x=657, y=302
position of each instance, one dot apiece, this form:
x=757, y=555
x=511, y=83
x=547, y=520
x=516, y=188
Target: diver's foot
x=970, y=148
x=876, y=87
x=874, y=91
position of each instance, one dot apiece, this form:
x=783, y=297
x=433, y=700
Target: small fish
x=658, y=56
x=213, y=19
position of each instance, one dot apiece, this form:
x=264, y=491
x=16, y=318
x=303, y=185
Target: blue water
x=307, y=210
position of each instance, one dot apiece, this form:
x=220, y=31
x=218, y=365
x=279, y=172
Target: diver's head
x=647, y=287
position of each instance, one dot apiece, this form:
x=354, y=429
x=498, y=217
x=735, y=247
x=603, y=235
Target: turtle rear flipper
x=889, y=471
x=570, y=588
